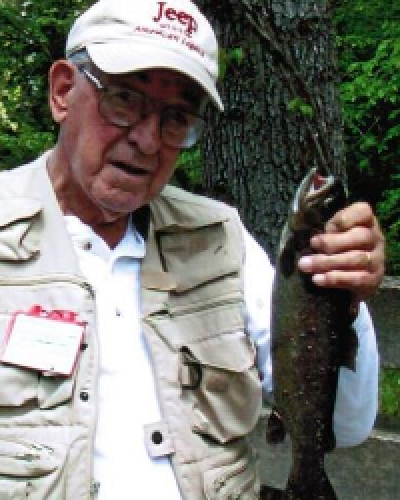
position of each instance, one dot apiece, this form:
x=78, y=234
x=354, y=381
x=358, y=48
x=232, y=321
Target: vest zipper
x=194, y=308
x=221, y=482
x=31, y=451
x=47, y=280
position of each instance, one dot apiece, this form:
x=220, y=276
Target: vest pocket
x=238, y=481
x=9, y=490
x=55, y=390
x=219, y=378
x=20, y=386
x=29, y=470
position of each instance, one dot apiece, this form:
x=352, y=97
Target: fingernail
x=305, y=263
x=318, y=279
x=331, y=227
x=315, y=242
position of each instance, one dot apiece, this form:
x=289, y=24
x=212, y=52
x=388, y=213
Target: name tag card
x=45, y=341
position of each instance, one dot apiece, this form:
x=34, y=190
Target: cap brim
x=118, y=57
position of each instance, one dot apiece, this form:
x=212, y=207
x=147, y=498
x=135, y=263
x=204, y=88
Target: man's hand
x=350, y=254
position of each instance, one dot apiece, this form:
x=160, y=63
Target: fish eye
x=328, y=201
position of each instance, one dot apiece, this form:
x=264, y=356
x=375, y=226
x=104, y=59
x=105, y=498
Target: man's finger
x=354, y=260
x=357, y=214
x=360, y=282
x=358, y=237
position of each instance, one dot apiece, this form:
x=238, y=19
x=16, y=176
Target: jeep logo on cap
x=176, y=15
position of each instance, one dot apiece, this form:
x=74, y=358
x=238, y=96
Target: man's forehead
x=166, y=76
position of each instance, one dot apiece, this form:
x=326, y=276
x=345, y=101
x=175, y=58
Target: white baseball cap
x=121, y=36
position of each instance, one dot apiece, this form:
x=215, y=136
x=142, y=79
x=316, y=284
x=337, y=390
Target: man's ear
x=62, y=77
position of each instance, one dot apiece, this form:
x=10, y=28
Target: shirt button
x=87, y=245
x=260, y=303
x=84, y=395
x=118, y=313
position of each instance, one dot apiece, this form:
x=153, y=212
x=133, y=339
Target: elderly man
x=130, y=309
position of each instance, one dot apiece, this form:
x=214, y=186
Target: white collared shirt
x=127, y=395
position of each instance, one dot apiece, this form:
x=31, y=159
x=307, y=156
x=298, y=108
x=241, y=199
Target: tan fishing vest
x=192, y=316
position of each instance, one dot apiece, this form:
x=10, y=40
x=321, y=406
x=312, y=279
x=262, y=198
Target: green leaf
x=298, y=105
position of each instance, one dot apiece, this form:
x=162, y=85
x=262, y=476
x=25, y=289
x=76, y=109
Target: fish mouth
x=312, y=189
x=130, y=169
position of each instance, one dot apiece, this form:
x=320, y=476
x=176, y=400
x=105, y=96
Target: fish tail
x=313, y=487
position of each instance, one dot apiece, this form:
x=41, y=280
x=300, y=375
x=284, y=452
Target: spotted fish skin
x=311, y=331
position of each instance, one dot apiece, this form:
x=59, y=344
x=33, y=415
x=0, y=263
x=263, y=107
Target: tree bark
x=282, y=113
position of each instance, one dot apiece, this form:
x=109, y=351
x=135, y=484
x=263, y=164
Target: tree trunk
x=281, y=108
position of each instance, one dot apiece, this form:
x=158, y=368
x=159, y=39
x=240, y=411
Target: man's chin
x=115, y=212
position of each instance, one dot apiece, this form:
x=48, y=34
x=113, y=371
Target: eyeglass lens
x=125, y=107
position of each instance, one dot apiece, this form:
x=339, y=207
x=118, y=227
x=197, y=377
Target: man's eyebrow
x=194, y=96
x=143, y=76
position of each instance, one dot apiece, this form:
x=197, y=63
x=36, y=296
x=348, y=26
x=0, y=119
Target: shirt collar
x=132, y=245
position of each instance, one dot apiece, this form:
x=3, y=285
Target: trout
x=311, y=334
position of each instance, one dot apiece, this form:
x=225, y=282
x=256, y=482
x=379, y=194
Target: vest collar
x=168, y=216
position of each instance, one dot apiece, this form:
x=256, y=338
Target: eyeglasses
x=125, y=107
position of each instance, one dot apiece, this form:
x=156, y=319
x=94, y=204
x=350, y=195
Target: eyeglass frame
x=193, y=133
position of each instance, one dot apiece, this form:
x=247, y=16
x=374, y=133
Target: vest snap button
x=157, y=437
x=84, y=395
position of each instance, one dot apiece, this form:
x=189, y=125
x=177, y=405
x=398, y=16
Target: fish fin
x=287, y=253
x=349, y=348
x=275, y=428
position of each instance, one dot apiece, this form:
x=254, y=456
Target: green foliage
x=389, y=210
x=190, y=165
x=299, y=105
x=228, y=57
x=369, y=59
x=190, y=162
x=389, y=392
x=32, y=35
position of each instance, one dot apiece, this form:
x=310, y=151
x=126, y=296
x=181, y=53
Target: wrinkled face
x=115, y=170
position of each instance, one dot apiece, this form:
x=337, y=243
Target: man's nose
x=146, y=133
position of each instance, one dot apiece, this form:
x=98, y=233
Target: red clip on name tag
x=47, y=341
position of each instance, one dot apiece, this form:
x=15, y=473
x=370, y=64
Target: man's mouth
x=129, y=169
